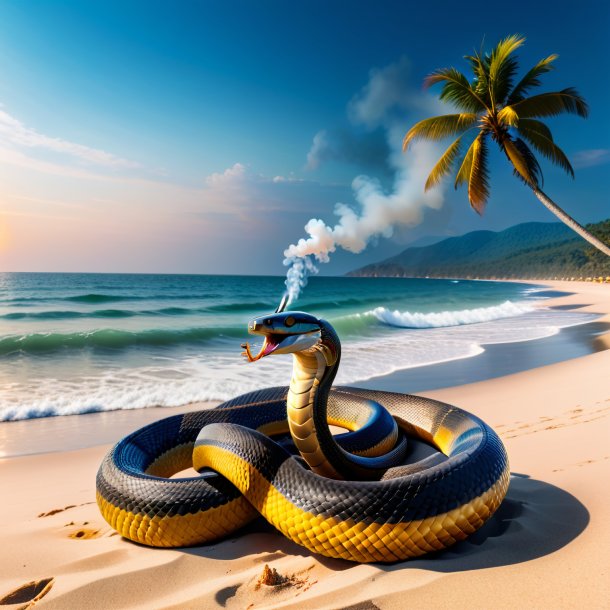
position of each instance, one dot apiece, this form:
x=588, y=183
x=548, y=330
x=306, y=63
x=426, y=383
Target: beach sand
x=546, y=547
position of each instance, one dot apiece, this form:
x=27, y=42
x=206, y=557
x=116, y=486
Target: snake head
x=284, y=333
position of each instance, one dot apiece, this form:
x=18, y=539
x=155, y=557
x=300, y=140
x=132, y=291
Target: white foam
x=407, y=319
x=219, y=376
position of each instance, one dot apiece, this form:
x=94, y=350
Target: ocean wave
x=340, y=303
x=111, y=338
x=130, y=313
x=94, y=297
x=97, y=298
x=214, y=378
x=69, y=314
x=350, y=326
x=73, y=314
x=223, y=375
x=440, y=319
x=237, y=307
x=101, y=313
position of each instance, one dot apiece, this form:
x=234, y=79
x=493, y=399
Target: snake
x=272, y=452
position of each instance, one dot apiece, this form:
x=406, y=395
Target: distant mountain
x=427, y=240
x=529, y=250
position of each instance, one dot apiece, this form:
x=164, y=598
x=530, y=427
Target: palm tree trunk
x=568, y=220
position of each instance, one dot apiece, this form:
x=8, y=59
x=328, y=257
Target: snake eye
x=289, y=321
x=268, y=322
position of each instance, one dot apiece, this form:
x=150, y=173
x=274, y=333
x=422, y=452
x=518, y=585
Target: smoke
x=386, y=102
x=299, y=270
x=365, y=150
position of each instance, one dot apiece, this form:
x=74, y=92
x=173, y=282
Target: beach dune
x=546, y=547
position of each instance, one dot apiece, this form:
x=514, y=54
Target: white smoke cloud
x=367, y=149
x=318, y=146
x=389, y=102
x=387, y=97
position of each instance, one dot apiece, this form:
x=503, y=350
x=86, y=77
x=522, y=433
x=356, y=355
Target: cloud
x=290, y=178
x=239, y=178
x=388, y=101
x=15, y=157
x=388, y=96
x=367, y=150
x=591, y=157
x=249, y=194
x=232, y=220
x=316, y=153
x=16, y=132
x=231, y=176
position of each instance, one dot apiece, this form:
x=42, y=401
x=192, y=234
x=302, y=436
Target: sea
x=83, y=343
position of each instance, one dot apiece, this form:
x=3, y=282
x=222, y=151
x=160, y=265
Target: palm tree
x=490, y=105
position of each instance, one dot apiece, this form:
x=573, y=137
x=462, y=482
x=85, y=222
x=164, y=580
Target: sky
x=200, y=137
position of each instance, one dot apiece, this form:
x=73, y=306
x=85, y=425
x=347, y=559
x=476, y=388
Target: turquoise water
x=77, y=343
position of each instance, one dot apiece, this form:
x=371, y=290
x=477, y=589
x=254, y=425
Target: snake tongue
x=269, y=346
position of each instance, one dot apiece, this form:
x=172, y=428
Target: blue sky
x=200, y=137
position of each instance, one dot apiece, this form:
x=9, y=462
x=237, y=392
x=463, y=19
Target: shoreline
x=48, y=434
x=159, y=356
x=545, y=547
x=71, y=432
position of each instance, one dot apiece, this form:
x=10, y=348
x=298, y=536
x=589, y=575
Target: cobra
x=346, y=496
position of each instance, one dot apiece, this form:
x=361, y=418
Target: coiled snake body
x=390, y=512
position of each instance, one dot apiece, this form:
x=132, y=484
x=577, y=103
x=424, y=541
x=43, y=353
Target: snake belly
x=411, y=510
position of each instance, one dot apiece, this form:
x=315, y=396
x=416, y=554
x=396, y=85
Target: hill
x=528, y=250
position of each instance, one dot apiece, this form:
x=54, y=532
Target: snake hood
x=316, y=350
x=289, y=332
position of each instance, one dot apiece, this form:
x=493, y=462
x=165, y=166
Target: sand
x=546, y=547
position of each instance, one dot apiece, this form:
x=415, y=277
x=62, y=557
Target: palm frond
x=478, y=182
x=551, y=104
x=503, y=67
x=539, y=126
x=444, y=164
x=480, y=84
x=532, y=163
x=463, y=173
x=473, y=171
x=439, y=127
x=539, y=136
x=525, y=165
x=531, y=79
x=456, y=89
x=508, y=116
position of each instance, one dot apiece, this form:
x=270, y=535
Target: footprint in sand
x=61, y=510
x=572, y=417
x=584, y=463
x=57, y=510
x=85, y=533
x=29, y=593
